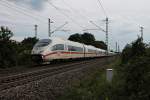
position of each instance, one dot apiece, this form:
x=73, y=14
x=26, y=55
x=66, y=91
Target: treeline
x=13, y=53
x=88, y=39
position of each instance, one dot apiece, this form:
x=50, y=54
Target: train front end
x=39, y=49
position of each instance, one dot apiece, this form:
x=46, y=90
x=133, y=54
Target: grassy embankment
x=94, y=87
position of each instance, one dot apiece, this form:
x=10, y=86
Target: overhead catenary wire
x=60, y=11
x=25, y=9
x=127, y=19
x=22, y=12
x=82, y=15
x=33, y=13
x=101, y=6
x=15, y=24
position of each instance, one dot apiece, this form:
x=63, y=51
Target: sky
x=125, y=18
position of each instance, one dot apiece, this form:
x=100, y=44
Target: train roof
x=60, y=40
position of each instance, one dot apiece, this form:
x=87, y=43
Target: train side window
x=58, y=47
x=43, y=43
x=90, y=50
x=79, y=49
x=73, y=48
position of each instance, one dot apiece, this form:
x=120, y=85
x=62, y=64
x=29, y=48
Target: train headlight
x=40, y=51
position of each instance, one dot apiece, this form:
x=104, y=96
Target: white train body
x=55, y=48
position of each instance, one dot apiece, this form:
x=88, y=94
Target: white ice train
x=47, y=50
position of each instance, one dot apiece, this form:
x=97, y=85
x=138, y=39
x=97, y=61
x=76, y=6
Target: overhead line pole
x=142, y=28
x=107, y=34
x=49, y=27
x=116, y=47
x=35, y=30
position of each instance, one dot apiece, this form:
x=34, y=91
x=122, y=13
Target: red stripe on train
x=63, y=52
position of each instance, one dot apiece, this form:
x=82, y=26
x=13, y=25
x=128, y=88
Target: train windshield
x=43, y=43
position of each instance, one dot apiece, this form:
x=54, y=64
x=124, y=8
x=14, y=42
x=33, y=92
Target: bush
x=137, y=48
x=8, y=54
x=132, y=81
x=14, y=53
x=94, y=87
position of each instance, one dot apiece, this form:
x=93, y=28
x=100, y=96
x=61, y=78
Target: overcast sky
x=126, y=16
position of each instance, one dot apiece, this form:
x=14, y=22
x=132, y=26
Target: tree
x=76, y=38
x=24, y=53
x=137, y=48
x=14, y=53
x=7, y=48
x=88, y=38
x=100, y=44
x=132, y=80
x=132, y=75
x=5, y=34
x=29, y=42
x=126, y=53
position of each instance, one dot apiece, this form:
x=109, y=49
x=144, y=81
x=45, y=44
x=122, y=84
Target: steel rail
x=25, y=78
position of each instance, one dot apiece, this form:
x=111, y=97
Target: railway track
x=25, y=78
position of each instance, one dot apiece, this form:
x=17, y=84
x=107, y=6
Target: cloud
x=34, y=4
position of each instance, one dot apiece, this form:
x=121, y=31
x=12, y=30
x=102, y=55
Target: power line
x=15, y=24
x=101, y=6
x=25, y=9
x=19, y=11
x=60, y=27
x=65, y=14
x=97, y=26
x=74, y=9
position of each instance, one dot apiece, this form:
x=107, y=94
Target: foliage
x=94, y=87
x=88, y=39
x=148, y=51
x=137, y=48
x=100, y=44
x=132, y=81
x=7, y=50
x=76, y=38
x=5, y=34
x=126, y=53
x=25, y=50
x=29, y=42
x=14, y=53
x=132, y=76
